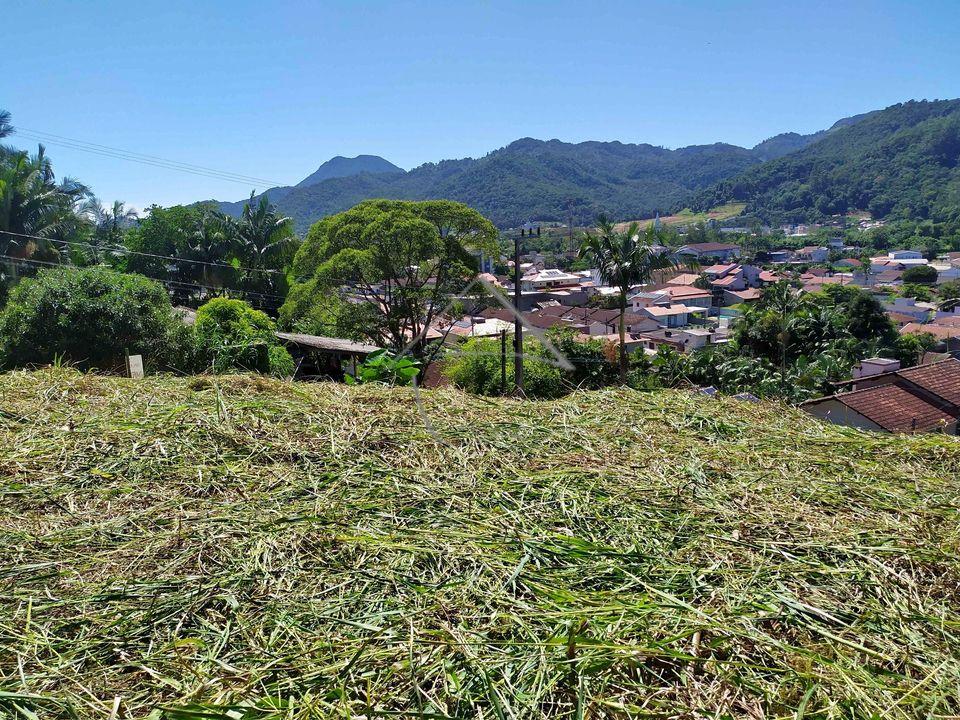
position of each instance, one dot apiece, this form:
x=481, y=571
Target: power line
x=126, y=251
x=141, y=158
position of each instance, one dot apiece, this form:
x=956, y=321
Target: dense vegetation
x=901, y=162
x=543, y=180
x=243, y=549
x=92, y=318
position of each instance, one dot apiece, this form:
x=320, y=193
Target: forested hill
x=901, y=162
x=543, y=180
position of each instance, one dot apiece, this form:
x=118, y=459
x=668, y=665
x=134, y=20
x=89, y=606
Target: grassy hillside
x=902, y=162
x=688, y=217
x=233, y=545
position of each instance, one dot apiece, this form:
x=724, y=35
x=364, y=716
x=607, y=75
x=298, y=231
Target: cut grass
x=244, y=548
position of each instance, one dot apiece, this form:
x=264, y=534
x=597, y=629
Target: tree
x=34, y=205
x=109, y=224
x=237, y=337
x=623, y=260
x=265, y=243
x=6, y=127
x=163, y=234
x=922, y=274
x=383, y=269
x=949, y=291
x=89, y=317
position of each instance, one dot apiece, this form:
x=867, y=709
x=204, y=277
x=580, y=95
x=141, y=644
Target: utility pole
x=517, y=324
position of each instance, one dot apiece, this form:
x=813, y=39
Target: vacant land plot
x=243, y=548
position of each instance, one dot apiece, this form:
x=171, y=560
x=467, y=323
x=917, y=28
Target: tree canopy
x=383, y=269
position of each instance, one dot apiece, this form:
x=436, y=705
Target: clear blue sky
x=272, y=89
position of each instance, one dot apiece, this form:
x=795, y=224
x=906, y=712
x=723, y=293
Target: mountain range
x=900, y=161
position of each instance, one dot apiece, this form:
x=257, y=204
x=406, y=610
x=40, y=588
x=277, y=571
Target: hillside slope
x=236, y=544
x=543, y=180
x=901, y=162
x=336, y=167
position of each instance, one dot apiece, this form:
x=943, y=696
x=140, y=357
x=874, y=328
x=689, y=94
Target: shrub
x=476, y=368
x=89, y=317
x=234, y=336
x=384, y=367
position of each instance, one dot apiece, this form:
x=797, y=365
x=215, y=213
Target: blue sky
x=272, y=89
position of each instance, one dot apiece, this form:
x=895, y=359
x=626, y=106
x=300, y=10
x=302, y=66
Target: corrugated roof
x=318, y=342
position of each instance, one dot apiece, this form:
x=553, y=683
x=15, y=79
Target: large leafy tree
x=382, y=270
x=624, y=261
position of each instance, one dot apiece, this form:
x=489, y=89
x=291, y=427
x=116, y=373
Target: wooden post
x=503, y=362
x=517, y=324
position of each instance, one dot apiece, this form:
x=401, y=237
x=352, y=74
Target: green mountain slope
x=901, y=162
x=542, y=180
x=236, y=547
x=340, y=166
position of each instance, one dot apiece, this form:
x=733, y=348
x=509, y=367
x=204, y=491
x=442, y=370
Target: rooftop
x=895, y=408
x=318, y=342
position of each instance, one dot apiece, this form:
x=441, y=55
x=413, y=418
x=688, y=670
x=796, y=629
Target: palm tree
x=33, y=206
x=623, y=260
x=211, y=242
x=108, y=226
x=6, y=127
x=266, y=240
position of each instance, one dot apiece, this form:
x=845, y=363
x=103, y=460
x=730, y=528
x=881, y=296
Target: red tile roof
x=686, y=292
x=942, y=332
x=724, y=281
x=895, y=409
x=942, y=379
x=684, y=279
x=748, y=294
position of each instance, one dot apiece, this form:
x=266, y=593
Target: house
x=594, y=321
x=849, y=263
x=899, y=319
x=925, y=398
x=815, y=283
x=767, y=277
x=735, y=297
x=813, y=254
x=888, y=277
x=905, y=255
x=778, y=257
x=632, y=342
x=919, y=311
x=946, y=272
x=684, y=340
x=698, y=252
x=689, y=295
x=549, y=280
x=672, y=316
x=684, y=279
